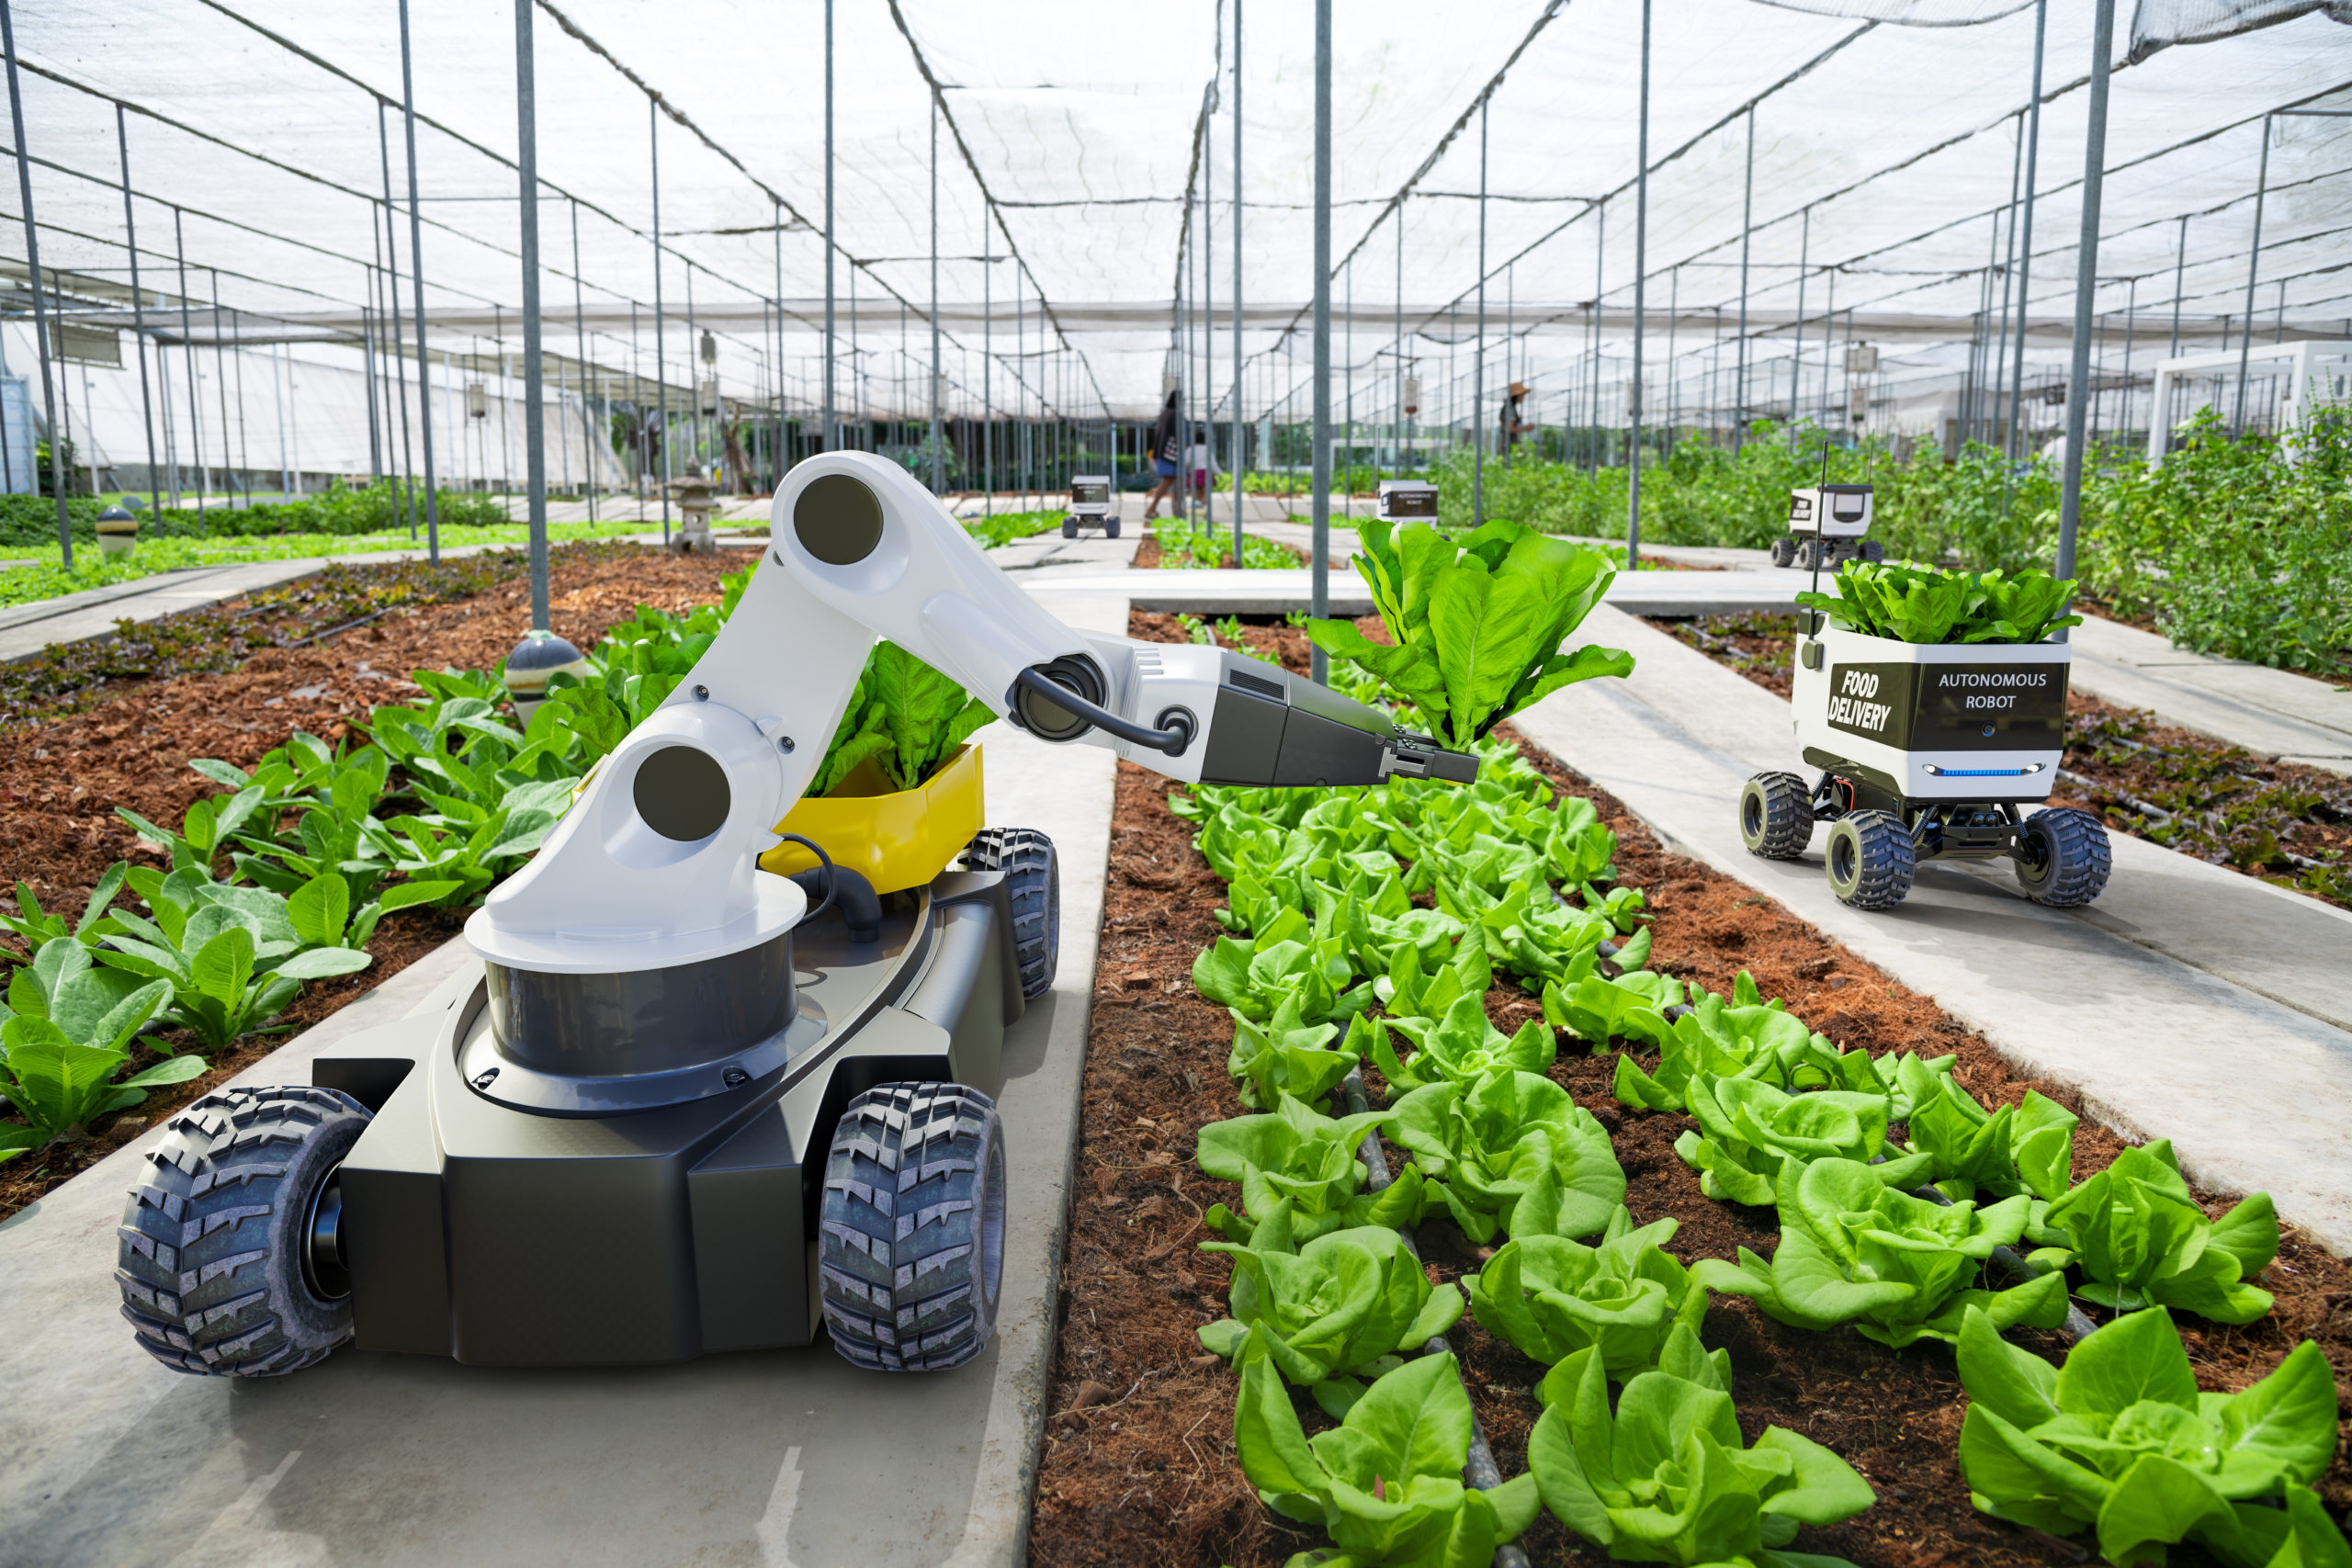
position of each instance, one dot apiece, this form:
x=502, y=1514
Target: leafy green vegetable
x=37, y=927
x=65, y=1030
x=1898, y=1268
x=1285, y=1057
x=1747, y=1037
x=905, y=716
x=1460, y=1047
x=1288, y=963
x=205, y=828
x=232, y=955
x=1335, y=1306
x=1482, y=1145
x=2026, y=1147
x=1477, y=624
x=1414, y=989
x=1629, y=1007
x=2119, y=1438
x=1668, y=1478
x=1753, y=1138
x=1928, y=604
x=2141, y=1240
x=1552, y=1297
x=1296, y=1153
x=1386, y=1482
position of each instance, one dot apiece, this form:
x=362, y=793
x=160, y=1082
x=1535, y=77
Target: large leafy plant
x=1668, y=1478
x=234, y=957
x=1482, y=1145
x=65, y=1030
x=1287, y=964
x=35, y=927
x=1552, y=1297
x=1461, y=1048
x=1333, y=1306
x=2120, y=1439
x=2141, y=1240
x=1752, y=1138
x=1386, y=1482
x=904, y=716
x=1477, y=623
x=1898, y=1267
x=2026, y=1148
x=1296, y=1153
x=1929, y=604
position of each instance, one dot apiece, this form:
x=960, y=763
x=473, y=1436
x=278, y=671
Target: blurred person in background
x=1166, y=452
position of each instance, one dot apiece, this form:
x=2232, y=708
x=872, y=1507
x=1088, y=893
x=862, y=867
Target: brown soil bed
x=1149, y=556
x=2225, y=804
x=61, y=781
x=1139, y=1464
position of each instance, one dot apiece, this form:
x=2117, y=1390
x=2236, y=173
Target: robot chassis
x=671, y=1106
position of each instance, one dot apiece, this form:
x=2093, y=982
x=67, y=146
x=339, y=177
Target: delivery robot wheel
x=1870, y=859
x=2063, y=857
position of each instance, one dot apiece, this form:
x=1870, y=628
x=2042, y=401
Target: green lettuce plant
x=1328, y=1307
x=233, y=956
x=1413, y=988
x=1386, y=1483
x=1627, y=1006
x=2141, y=1240
x=207, y=828
x=1928, y=604
x=1744, y=1037
x=1552, y=1297
x=1477, y=624
x=1481, y=1145
x=1294, y=1154
x=2026, y=1147
x=1285, y=964
x=35, y=927
x=1668, y=1478
x=2120, y=1440
x=1752, y=1138
x=1285, y=1055
x=65, y=1030
x=1460, y=1047
x=904, y=715
x=1898, y=1267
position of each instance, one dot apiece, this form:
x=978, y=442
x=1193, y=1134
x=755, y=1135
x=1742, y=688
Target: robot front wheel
x=1776, y=815
x=229, y=1256
x=2063, y=857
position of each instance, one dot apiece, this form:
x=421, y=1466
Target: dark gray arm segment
x=1272, y=728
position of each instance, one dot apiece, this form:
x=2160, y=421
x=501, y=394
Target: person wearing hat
x=1513, y=427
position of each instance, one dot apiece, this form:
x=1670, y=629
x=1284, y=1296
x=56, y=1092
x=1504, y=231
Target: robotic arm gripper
x=654, y=865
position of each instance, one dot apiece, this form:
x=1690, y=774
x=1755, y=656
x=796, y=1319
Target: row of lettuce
x=1334, y=963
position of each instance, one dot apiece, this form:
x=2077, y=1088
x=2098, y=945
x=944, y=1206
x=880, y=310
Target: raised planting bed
x=231, y=683
x=1140, y=1461
x=2283, y=823
x=1170, y=543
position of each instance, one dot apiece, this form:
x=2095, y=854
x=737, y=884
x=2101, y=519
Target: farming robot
x=1090, y=506
x=677, y=1102
x=1925, y=751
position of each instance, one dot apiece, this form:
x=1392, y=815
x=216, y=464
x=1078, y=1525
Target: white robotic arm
x=654, y=865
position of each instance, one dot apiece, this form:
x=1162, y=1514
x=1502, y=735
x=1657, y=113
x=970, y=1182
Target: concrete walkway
x=772, y=1458
x=2189, y=1002
x=2272, y=713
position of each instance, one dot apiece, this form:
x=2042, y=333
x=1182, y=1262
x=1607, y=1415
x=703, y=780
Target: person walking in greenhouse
x=1166, y=448
x=1202, y=464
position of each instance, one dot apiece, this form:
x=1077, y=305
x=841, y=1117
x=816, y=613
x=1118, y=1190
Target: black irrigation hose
x=2160, y=816
x=330, y=631
x=1478, y=1470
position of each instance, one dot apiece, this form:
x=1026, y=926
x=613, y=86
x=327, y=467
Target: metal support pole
x=1478, y=360
x=1320, y=600
x=1796, y=355
x=2253, y=271
x=526, y=165
x=40, y=314
x=2025, y=247
x=187, y=352
x=1404, y=425
x=138, y=304
x=2180, y=268
x=416, y=277
x=2078, y=375
x=580, y=336
x=831, y=435
x=660, y=338
x=938, y=471
x=221, y=387
x=1746, y=232
x=368, y=358
x=1323, y=221
x=1641, y=261
x=407, y=503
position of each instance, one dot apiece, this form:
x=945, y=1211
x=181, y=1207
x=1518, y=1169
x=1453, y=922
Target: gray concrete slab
x=2275, y=713
x=775, y=1458
x=2188, y=1003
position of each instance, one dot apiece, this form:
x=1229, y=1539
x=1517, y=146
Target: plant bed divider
x=1478, y=1470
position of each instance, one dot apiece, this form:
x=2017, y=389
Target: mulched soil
x=2286, y=824
x=61, y=781
x=1139, y=1465
x=1147, y=556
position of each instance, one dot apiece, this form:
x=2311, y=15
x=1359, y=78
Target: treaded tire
x=1776, y=815
x=1111, y=528
x=1069, y=530
x=1033, y=881
x=1870, y=859
x=1784, y=551
x=911, y=1232
x=212, y=1244
x=1871, y=552
x=2063, y=857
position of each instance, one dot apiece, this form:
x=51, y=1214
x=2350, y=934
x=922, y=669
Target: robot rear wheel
x=1870, y=859
x=2063, y=857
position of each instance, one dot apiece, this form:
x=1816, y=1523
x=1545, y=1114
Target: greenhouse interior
x=1274, y=785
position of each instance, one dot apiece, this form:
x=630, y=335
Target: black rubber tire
x=1871, y=550
x=1784, y=551
x=1069, y=530
x=1776, y=815
x=1869, y=860
x=1033, y=881
x=213, y=1243
x=912, y=1231
x=1111, y=528
x=2063, y=857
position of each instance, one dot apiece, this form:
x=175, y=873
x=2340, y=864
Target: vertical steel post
x=1796, y=355
x=1641, y=264
x=2009, y=288
x=368, y=358
x=938, y=471
x=40, y=315
x=661, y=335
x=1478, y=360
x=831, y=436
x=1323, y=218
x=2180, y=268
x=1404, y=425
x=188, y=354
x=221, y=385
x=2253, y=271
x=416, y=277
x=526, y=166
x=580, y=337
x=2025, y=248
x=1319, y=591
x=2079, y=374
x=407, y=506
x=987, y=369
x=1746, y=232
x=137, y=306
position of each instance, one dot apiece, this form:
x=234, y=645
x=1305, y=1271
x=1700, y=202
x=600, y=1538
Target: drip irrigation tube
x=1478, y=1470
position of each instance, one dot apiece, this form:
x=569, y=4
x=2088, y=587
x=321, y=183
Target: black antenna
x=1820, y=529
